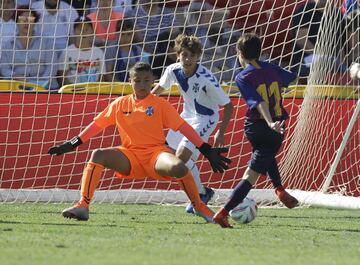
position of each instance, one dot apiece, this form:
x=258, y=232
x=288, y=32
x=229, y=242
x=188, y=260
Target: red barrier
x=31, y=123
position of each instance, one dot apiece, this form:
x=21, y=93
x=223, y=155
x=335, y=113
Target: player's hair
x=190, y=43
x=140, y=67
x=23, y=9
x=249, y=44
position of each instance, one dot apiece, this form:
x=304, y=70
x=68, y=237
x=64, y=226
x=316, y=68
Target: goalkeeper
x=140, y=119
x=260, y=85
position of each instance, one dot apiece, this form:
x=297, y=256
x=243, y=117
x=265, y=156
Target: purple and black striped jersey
x=263, y=82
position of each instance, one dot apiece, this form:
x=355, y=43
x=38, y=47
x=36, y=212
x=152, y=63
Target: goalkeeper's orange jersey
x=140, y=123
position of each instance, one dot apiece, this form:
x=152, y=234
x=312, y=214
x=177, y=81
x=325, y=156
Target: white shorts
x=203, y=125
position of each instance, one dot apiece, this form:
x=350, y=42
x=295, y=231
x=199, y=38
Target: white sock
x=196, y=174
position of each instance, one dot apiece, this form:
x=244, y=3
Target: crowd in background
x=54, y=43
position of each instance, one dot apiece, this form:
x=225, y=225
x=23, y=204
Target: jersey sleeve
x=170, y=116
x=286, y=76
x=167, y=79
x=108, y=116
x=248, y=92
x=217, y=94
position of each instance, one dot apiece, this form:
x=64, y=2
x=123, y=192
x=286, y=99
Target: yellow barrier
x=117, y=88
x=121, y=88
x=294, y=91
x=19, y=86
x=320, y=91
x=97, y=88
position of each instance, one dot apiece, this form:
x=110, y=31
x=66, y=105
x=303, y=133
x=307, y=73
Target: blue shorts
x=265, y=143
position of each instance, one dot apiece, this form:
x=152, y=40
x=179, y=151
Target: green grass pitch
x=36, y=233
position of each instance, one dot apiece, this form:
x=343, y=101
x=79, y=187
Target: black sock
x=274, y=174
x=238, y=194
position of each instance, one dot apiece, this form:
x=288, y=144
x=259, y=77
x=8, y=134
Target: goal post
x=320, y=158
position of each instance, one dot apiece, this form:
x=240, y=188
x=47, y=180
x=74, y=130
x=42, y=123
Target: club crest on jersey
x=149, y=111
x=196, y=87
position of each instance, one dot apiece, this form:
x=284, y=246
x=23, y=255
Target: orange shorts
x=143, y=163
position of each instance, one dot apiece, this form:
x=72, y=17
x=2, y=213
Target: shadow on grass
x=310, y=217
x=308, y=227
x=71, y=223
x=92, y=224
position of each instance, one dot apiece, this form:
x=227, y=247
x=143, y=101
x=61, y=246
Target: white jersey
x=58, y=26
x=201, y=92
x=83, y=65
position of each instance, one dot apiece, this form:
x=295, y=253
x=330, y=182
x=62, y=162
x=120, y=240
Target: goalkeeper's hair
x=140, y=67
x=190, y=43
x=249, y=45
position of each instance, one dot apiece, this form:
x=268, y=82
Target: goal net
x=50, y=90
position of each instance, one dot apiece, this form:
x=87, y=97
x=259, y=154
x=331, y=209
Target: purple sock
x=238, y=195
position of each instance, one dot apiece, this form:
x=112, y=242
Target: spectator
x=219, y=49
x=118, y=6
x=306, y=22
x=127, y=53
x=349, y=6
x=165, y=53
x=81, y=6
x=56, y=21
x=83, y=61
x=7, y=22
x=153, y=16
x=27, y=57
x=24, y=2
x=199, y=19
x=104, y=23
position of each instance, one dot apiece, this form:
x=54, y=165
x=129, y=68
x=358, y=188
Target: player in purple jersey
x=260, y=85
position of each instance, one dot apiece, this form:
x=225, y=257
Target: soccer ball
x=245, y=212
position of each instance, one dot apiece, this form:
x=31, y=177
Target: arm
x=165, y=82
x=47, y=55
x=6, y=67
x=157, y=90
x=63, y=70
x=219, y=136
x=264, y=111
x=217, y=161
x=91, y=130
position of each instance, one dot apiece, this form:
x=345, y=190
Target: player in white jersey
x=202, y=97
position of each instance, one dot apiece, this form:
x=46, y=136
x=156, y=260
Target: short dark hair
x=22, y=9
x=190, y=43
x=140, y=67
x=249, y=44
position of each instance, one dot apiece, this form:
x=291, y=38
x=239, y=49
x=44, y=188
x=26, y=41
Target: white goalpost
x=320, y=158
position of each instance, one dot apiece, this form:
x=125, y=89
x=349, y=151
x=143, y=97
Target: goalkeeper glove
x=217, y=161
x=66, y=147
